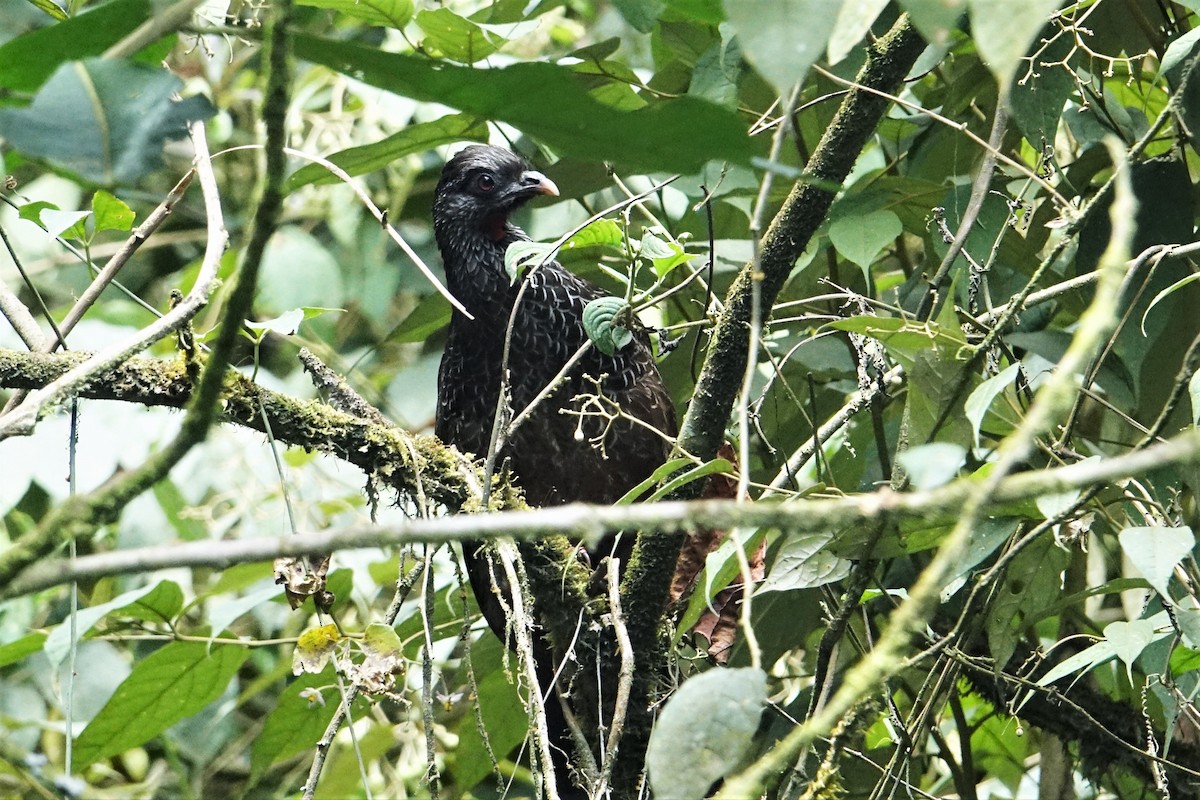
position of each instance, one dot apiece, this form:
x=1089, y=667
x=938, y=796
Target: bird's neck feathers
x=474, y=261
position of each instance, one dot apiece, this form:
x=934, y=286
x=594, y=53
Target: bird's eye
x=485, y=183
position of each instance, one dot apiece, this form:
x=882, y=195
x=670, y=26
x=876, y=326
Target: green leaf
x=980, y=400
x=708, y=724
x=600, y=233
x=932, y=465
x=783, y=38
x=285, y=324
x=174, y=682
x=162, y=604
x=904, y=339
x=220, y=612
x=174, y=505
x=520, y=256
x=1037, y=105
x=805, y=563
x=989, y=534
x=111, y=214
x=430, y=316
x=67, y=224
x=33, y=211
x=720, y=568
x=1155, y=552
x=382, y=639
x=1004, y=31
x=935, y=20
x=28, y=60
x=663, y=254
x=104, y=120
x=301, y=714
x=1189, y=625
x=50, y=8
x=718, y=71
x=862, y=237
x=642, y=15
x=604, y=322
x=58, y=643
x=718, y=466
x=1031, y=584
x=671, y=467
x=447, y=34
x=416, y=138
x=1129, y=639
x=15, y=651
x=503, y=715
x=547, y=101
x=707, y=11
x=385, y=13
x=854, y=20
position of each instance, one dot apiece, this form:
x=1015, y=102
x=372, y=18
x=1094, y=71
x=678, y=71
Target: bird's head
x=478, y=189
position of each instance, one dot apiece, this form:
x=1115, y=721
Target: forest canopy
x=918, y=276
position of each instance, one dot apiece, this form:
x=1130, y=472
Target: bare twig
x=19, y=317
x=624, y=680
x=522, y=632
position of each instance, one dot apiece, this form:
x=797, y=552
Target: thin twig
x=522, y=624
x=19, y=317
x=624, y=679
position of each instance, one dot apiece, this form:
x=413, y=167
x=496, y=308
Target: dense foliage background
x=979, y=573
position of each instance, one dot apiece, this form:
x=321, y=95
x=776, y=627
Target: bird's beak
x=539, y=183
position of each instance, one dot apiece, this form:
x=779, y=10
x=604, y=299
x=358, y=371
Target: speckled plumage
x=550, y=459
x=554, y=456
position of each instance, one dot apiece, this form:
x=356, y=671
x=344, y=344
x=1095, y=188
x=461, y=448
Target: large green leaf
x=708, y=725
x=454, y=37
x=1003, y=32
x=174, y=682
x=934, y=19
x=300, y=716
x=104, y=120
x=499, y=705
x=548, y=102
x=28, y=60
x=385, y=13
x=413, y=139
x=783, y=38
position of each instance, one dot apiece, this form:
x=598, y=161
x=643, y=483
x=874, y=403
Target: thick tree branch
x=652, y=565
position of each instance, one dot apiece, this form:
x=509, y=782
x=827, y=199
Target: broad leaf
x=416, y=138
x=454, y=37
x=28, y=60
x=707, y=725
x=1156, y=552
x=805, y=563
x=172, y=683
x=1004, y=31
x=386, y=13
x=935, y=19
x=430, y=316
x=546, y=101
x=932, y=465
x=783, y=38
x=605, y=321
x=862, y=237
x=105, y=120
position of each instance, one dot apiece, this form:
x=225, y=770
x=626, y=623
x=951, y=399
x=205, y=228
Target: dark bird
x=567, y=450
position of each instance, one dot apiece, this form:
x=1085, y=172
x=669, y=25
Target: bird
x=573, y=447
